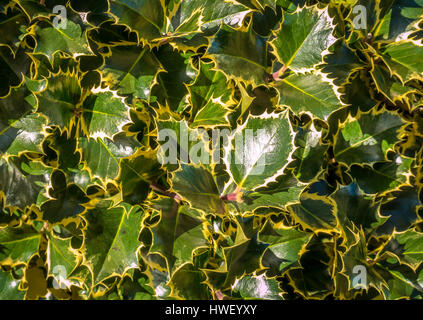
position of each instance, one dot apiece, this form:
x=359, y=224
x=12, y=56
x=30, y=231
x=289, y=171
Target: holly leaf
x=113, y=250
x=19, y=244
x=24, y=135
x=310, y=153
x=401, y=210
x=9, y=287
x=303, y=38
x=260, y=150
x=189, y=283
x=240, y=54
x=209, y=97
x=407, y=248
x=197, y=186
x=196, y=16
x=308, y=93
x=403, y=60
x=104, y=114
x=131, y=70
x=285, y=247
x=178, y=234
x=61, y=258
x=102, y=156
x=381, y=176
x=315, y=212
x=257, y=287
x=367, y=139
x=20, y=186
x=66, y=199
x=146, y=18
x=71, y=39
x=136, y=174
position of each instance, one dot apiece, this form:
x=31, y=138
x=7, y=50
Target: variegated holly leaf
x=240, y=54
x=113, y=251
x=315, y=212
x=178, y=234
x=146, y=18
x=381, y=176
x=24, y=135
x=285, y=247
x=403, y=60
x=401, y=208
x=303, y=37
x=61, y=257
x=407, y=248
x=308, y=93
x=102, y=156
x=195, y=16
x=189, y=283
x=66, y=200
x=209, y=97
x=259, y=151
x=20, y=185
x=310, y=154
x=9, y=287
x=18, y=244
x=131, y=70
x=136, y=174
x=368, y=138
x=70, y=39
x=171, y=87
x=196, y=185
x=257, y=287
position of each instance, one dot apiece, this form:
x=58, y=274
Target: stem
x=160, y=189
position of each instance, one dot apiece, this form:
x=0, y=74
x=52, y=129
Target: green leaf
x=240, y=259
x=367, y=139
x=136, y=174
x=24, y=135
x=13, y=24
x=60, y=99
x=257, y=287
x=303, y=38
x=21, y=188
x=310, y=154
x=66, y=200
x=407, y=247
x=188, y=283
x=104, y=114
x=209, y=97
x=131, y=70
x=62, y=259
x=403, y=59
x=308, y=93
x=285, y=247
x=316, y=213
x=196, y=185
x=171, y=85
x=102, y=156
x=145, y=17
x=194, y=16
x=260, y=150
x=401, y=210
x=240, y=54
x=9, y=287
x=111, y=241
x=19, y=244
x=381, y=176
x=178, y=234
x=71, y=40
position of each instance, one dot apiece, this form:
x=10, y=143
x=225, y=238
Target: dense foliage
x=332, y=181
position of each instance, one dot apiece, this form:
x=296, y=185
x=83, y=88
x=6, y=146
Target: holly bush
x=211, y=149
